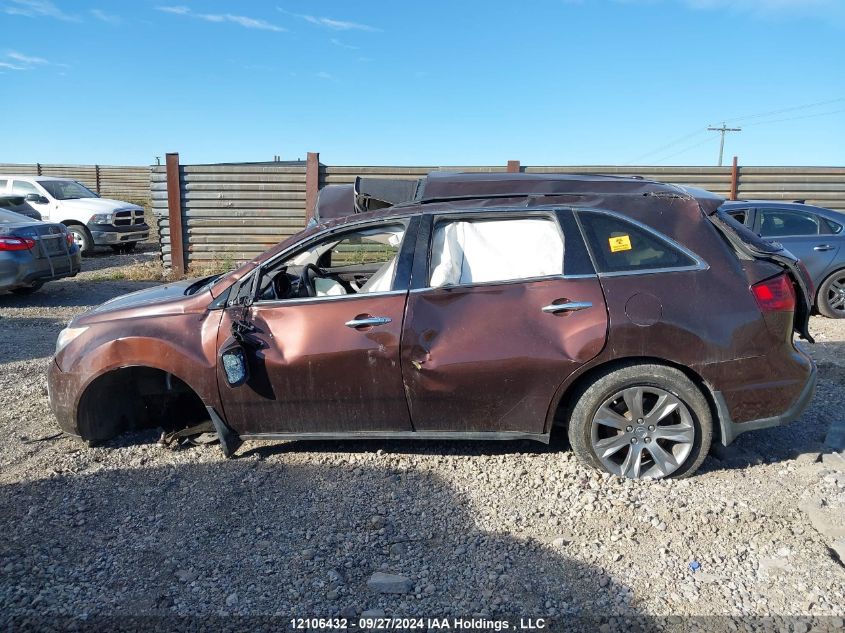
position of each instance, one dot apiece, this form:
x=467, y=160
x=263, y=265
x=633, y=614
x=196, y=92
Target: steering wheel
x=309, y=273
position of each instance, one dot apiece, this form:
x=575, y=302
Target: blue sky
x=445, y=82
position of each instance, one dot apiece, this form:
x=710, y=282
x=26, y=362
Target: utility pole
x=722, y=130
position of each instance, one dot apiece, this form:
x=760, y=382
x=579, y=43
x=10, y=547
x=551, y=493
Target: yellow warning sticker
x=620, y=243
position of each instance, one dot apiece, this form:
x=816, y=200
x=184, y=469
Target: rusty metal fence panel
x=122, y=182
x=231, y=213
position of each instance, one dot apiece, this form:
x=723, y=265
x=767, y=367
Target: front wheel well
x=569, y=397
x=133, y=398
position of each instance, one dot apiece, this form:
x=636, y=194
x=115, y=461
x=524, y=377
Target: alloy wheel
x=642, y=432
x=836, y=294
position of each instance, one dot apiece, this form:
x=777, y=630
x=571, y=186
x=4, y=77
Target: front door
x=324, y=356
x=497, y=326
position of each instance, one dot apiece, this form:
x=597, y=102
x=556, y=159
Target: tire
x=82, y=236
x=28, y=290
x=830, y=301
x=688, y=421
x=128, y=247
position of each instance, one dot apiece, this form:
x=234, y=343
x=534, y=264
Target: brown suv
x=488, y=306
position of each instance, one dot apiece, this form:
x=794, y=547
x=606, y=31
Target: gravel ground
x=489, y=530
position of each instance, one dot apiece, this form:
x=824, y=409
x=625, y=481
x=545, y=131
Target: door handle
x=823, y=247
x=367, y=322
x=569, y=306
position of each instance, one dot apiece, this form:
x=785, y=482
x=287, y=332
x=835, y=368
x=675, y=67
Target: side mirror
x=37, y=198
x=235, y=365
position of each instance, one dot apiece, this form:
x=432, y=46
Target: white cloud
x=106, y=17
x=14, y=60
x=331, y=23
x=340, y=44
x=242, y=20
x=25, y=59
x=37, y=9
x=324, y=75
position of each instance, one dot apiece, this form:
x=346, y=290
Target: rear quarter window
x=620, y=246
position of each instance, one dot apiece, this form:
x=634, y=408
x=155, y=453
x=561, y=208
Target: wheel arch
x=145, y=391
x=568, y=393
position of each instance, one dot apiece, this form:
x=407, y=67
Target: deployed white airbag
x=495, y=250
x=328, y=287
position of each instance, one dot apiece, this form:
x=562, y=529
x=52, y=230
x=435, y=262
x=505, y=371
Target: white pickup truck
x=92, y=220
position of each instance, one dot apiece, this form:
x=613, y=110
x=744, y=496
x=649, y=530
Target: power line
x=685, y=150
x=796, y=118
x=668, y=145
x=784, y=110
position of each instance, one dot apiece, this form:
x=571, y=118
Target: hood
x=158, y=300
x=98, y=205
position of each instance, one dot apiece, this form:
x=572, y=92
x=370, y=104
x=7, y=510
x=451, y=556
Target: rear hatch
x=750, y=245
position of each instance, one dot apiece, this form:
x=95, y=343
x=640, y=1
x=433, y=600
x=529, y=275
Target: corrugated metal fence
x=110, y=181
x=232, y=212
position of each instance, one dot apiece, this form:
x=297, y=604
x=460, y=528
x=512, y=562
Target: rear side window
x=782, y=223
x=620, y=246
x=485, y=251
x=22, y=188
x=834, y=227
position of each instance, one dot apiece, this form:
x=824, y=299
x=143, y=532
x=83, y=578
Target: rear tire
x=27, y=290
x=642, y=421
x=82, y=237
x=830, y=301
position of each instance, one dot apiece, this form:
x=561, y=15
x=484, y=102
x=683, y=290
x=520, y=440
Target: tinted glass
x=3, y=184
x=22, y=187
x=67, y=189
x=834, y=227
x=777, y=223
x=619, y=246
x=740, y=215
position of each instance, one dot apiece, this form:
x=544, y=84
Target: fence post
x=735, y=179
x=97, y=177
x=38, y=168
x=174, y=214
x=312, y=184
x=514, y=167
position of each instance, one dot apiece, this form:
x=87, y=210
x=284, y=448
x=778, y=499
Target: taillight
x=775, y=294
x=69, y=238
x=8, y=243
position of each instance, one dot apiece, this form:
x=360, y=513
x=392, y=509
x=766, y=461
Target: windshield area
x=67, y=189
x=10, y=217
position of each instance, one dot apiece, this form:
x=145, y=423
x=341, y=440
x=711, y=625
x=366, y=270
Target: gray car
x=34, y=252
x=813, y=234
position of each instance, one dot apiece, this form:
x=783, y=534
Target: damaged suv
x=632, y=314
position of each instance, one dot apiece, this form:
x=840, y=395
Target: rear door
x=495, y=322
x=804, y=234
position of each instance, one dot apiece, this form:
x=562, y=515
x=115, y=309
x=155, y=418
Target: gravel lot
x=297, y=529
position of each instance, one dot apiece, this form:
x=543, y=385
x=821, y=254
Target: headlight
x=102, y=218
x=66, y=336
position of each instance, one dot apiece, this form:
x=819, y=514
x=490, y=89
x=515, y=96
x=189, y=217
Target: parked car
x=632, y=313
x=93, y=221
x=34, y=252
x=19, y=205
x=813, y=234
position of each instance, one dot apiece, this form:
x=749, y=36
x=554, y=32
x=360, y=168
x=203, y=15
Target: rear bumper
x=21, y=269
x=730, y=429
x=107, y=234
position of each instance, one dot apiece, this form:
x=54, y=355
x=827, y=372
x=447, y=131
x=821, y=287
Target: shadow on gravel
x=558, y=444
x=277, y=541
x=27, y=338
x=73, y=293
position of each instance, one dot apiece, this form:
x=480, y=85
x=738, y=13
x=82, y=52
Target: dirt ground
x=297, y=529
